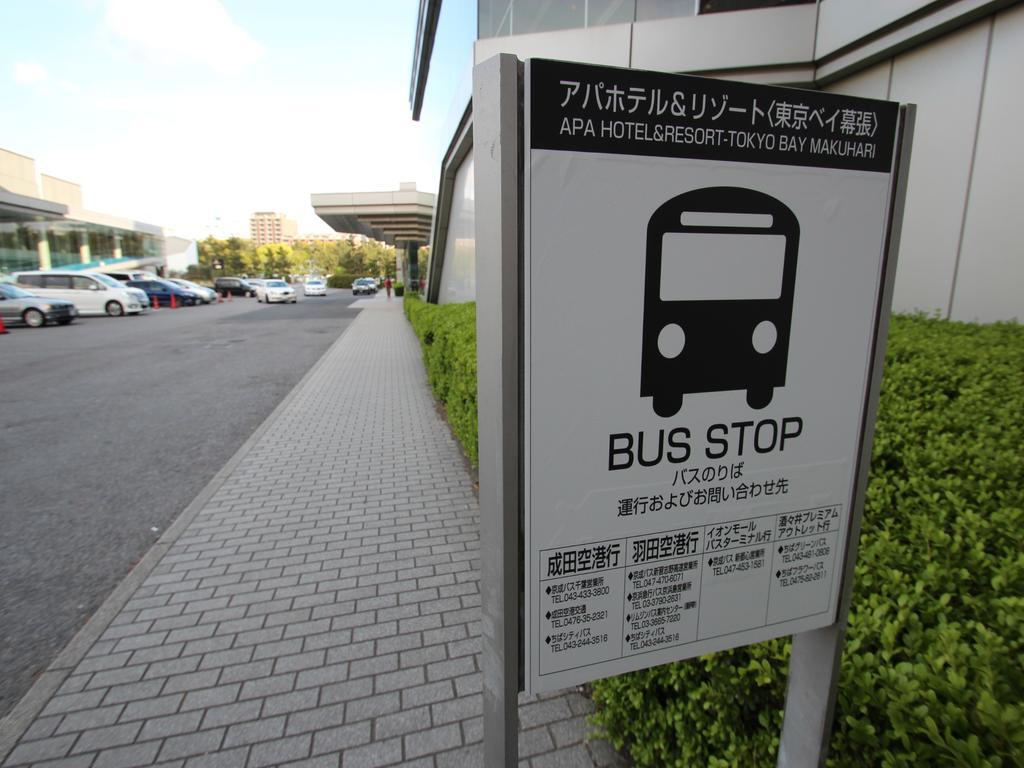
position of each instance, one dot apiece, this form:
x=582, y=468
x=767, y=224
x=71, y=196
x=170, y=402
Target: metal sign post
x=815, y=656
x=497, y=169
x=683, y=291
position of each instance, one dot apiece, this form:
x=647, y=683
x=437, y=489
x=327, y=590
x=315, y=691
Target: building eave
x=426, y=29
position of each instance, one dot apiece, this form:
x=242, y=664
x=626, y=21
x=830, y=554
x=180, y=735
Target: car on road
x=236, y=286
x=160, y=291
x=315, y=287
x=275, y=291
x=364, y=285
x=206, y=295
x=20, y=306
x=91, y=294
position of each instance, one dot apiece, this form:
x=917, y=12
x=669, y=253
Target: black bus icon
x=718, y=296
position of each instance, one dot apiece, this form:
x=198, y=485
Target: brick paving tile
x=321, y=610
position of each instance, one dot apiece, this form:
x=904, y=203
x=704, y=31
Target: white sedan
x=275, y=290
x=314, y=288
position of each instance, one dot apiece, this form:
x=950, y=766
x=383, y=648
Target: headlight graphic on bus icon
x=718, y=296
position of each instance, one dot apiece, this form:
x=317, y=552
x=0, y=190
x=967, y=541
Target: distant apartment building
x=269, y=227
x=44, y=226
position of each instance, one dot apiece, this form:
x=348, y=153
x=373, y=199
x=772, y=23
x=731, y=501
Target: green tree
x=423, y=259
x=275, y=259
x=236, y=254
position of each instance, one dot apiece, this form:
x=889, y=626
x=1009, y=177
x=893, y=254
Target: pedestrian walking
x=387, y=286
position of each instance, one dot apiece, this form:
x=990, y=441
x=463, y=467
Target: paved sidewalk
x=320, y=609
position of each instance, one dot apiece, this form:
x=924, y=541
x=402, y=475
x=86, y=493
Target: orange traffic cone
x=156, y=302
x=174, y=303
x=3, y=328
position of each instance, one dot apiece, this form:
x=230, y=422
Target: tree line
x=341, y=258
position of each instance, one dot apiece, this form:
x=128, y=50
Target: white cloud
x=171, y=31
x=28, y=72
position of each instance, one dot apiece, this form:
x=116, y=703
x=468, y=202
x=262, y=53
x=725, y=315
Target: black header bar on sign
x=585, y=108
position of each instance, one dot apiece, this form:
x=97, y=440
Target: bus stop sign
x=703, y=268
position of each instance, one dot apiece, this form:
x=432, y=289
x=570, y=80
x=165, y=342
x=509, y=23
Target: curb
x=17, y=721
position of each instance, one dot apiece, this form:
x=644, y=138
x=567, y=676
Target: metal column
x=497, y=153
x=815, y=656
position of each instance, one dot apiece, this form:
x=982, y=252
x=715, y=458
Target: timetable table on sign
x=623, y=597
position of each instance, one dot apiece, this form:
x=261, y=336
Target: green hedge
x=933, y=668
x=447, y=334
x=339, y=280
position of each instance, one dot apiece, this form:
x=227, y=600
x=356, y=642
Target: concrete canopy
x=400, y=217
x=22, y=208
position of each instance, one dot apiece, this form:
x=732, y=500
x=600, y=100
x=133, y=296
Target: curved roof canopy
x=399, y=217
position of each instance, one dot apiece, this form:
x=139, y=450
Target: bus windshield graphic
x=718, y=296
x=697, y=266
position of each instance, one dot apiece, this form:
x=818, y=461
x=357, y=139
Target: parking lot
x=109, y=427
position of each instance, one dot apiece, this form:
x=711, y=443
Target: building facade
x=267, y=227
x=401, y=217
x=44, y=226
x=182, y=253
x=959, y=61
x=329, y=237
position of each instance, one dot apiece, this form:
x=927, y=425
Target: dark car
x=20, y=306
x=161, y=291
x=236, y=286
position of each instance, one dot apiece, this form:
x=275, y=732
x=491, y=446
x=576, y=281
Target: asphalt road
x=109, y=427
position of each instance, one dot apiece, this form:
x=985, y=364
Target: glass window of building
x=501, y=18
x=19, y=246
x=65, y=244
x=498, y=18
x=101, y=242
x=720, y=6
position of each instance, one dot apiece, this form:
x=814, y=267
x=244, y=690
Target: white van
x=92, y=294
x=123, y=276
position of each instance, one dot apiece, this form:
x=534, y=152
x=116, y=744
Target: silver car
x=275, y=290
x=206, y=295
x=112, y=282
x=19, y=306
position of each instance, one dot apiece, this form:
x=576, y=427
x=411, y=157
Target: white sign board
x=702, y=270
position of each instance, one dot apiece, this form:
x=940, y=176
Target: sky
x=192, y=114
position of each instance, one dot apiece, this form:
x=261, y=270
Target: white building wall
x=180, y=253
x=944, y=79
x=960, y=255
x=990, y=278
x=608, y=46
x=843, y=22
x=766, y=37
x=60, y=191
x=458, y=278
x=18, y=174
x=871, y=83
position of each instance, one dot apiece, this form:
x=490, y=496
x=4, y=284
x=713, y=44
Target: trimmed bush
x=932, y=669
x=447, y=334
x=339, y=280
x=399, y=289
